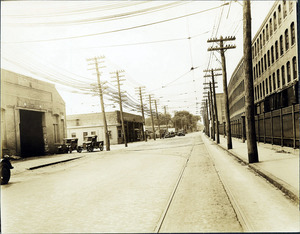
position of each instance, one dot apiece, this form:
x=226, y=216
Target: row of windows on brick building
x=264, y=36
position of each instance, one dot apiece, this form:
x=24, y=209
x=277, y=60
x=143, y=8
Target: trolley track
x=164, y=213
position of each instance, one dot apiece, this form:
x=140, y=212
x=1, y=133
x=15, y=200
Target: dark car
x=181, y=133
x=170, y=134
x=90, y=143
x=69, y=145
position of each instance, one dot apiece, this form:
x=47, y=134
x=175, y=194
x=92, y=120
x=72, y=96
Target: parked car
x=5, y=167
x=90, y=143
x=170, y=134
x=181, y=133
x=69, y=145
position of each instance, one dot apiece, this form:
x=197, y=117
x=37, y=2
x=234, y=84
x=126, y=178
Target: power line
x=120, y=30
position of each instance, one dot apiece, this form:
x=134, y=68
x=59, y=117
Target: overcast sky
x=51, y=40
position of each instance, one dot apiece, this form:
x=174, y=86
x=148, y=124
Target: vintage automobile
x=69, y=145
x=90, y=143
x=5, y=167
x=169, y=135
x=181, y=133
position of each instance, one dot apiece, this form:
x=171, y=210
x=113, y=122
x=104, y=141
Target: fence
x=278, y=127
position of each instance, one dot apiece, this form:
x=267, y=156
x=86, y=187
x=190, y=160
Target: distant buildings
x=81, y=125
x=32, y=116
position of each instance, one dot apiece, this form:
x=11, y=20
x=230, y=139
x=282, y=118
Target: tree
x=163, y=119
x=183, y=120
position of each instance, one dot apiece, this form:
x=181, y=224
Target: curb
x=278, y=183
x=52, y=163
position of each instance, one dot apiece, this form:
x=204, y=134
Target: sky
x=160, y=45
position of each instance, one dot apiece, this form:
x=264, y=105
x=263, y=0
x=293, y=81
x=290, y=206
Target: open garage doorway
x=31, y=133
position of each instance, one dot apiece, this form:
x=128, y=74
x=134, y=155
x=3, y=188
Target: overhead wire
x=119, y=30
x=103, y=18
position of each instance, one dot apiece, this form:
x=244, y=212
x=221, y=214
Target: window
x=255, y=49
x=275, y=21
x=292, y=33
x=255, y=93
x=73, y=134
x=259, y=71
x=260, y=89
x=271, y=30
x=263, y=88
x=288, y=71
x=77, y=122
x=284, y=8
x=264, y=37
x=258, y=45
x=286, y=35
x=119, y=133
x=262, y=65
x=93, y=132
x=282, y=75
x=272, y=54
x=278, y=79
x=85, y=134
x=267, y=91
x=267, y=32
x=265, y=59
x=279, y=14
x=295, y=68
x=274, y=82
x=260, y=39
x=268, y=58
x=276, y=50
x=252, y=52
x=291, y=5
x=281, y=45
x=270, y=83
x=254, y=73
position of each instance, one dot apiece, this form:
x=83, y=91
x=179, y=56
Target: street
x=181, y=184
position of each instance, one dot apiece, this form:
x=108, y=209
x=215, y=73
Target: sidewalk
x=279, y=165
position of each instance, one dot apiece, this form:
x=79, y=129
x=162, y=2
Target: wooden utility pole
x=117, y=79
x=157, y=117
x=207, y=117
x=140, y=93
x=167, y=121
x=95, y=62
x=152, y=121
x=215, y=99
x=222, y=49
x=249, y=94
x=211, y=110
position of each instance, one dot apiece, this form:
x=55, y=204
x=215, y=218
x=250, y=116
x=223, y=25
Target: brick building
x=32, y=116
x=81, y=125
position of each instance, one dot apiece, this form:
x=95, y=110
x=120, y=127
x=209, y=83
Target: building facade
x=32, y=116
x=81, y=125
x=275, y=64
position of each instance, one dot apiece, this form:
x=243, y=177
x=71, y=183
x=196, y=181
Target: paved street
x=172, y=185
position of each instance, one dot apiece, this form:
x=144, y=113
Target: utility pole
x=157, y=117
x=152, y=121
x=211, y=108
x=167, y=121
x=215, y=99
x=207, y=117
x=140, y=90
x=222, y=49
x=249, y=94
x=95, y=62
x=117, y=77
